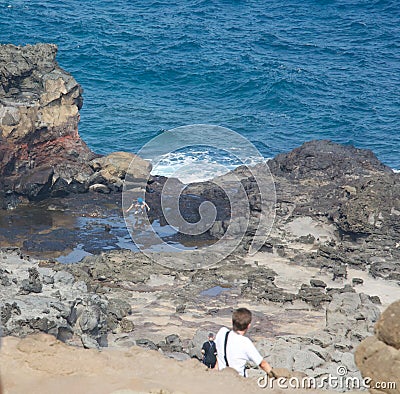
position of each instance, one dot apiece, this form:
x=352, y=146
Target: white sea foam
x=198, y=166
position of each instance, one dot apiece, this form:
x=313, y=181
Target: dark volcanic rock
x=146, y=343
x=357, y=281
x=386, y=270
x=317, y=283
x=276, y=294
x=33, y=284
x=350, y=185
x=326, y=161
x=313, y=295
x=172, y=343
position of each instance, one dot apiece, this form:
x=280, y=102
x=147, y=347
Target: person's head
x=241, y=319
x=210, y=336
x=140, y=200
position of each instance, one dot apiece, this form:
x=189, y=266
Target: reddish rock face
x=41, y=153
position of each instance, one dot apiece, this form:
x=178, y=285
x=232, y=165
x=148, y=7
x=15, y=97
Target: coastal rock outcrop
x=41, y=152
x=333, y=199
x=378, y=357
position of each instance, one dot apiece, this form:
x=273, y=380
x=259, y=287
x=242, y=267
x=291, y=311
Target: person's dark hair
x=241, y=318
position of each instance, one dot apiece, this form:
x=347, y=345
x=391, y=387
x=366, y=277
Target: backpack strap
x=226, y=341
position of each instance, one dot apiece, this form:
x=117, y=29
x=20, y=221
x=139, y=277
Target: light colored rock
x=305, y=359
x=99, y=188
x=351, y=311
x=380, y=362
x=387, y=329
x=115, y=166
x=195, y=345
x=64, y=277
x=378, y=357
x=88, y=342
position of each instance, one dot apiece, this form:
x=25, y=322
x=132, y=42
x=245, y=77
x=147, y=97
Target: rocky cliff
x=41, y=152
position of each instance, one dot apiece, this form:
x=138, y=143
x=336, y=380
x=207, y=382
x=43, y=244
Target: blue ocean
x=278, y=72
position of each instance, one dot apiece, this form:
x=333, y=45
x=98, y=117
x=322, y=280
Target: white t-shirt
x=239, y=349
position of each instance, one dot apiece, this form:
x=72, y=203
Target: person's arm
x=148, y=208
x=255, y=356
x=266, y=367
x=203, y=350
x=127, y=211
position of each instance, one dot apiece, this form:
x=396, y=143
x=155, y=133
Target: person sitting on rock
x=234, y=349
x=209, y=351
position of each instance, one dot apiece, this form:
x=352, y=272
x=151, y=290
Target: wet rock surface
x=66, y=229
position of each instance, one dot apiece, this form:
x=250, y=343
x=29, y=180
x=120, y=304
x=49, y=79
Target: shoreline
x=309, y=269
x=327, y=265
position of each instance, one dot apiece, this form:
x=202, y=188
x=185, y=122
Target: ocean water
x=278, y=72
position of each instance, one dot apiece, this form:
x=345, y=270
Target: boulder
x=317, y=283
x=305, y=359
x=115, y=166
x=172, y=344
x=351, y=314
x=378, y=357
x=313, y=295
x=33, y=284
x=349, y=319
x=379, y=362
x=99, y=188
x=387, y=329
x=39, y=298
x=146, y=343
x=195, y=345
